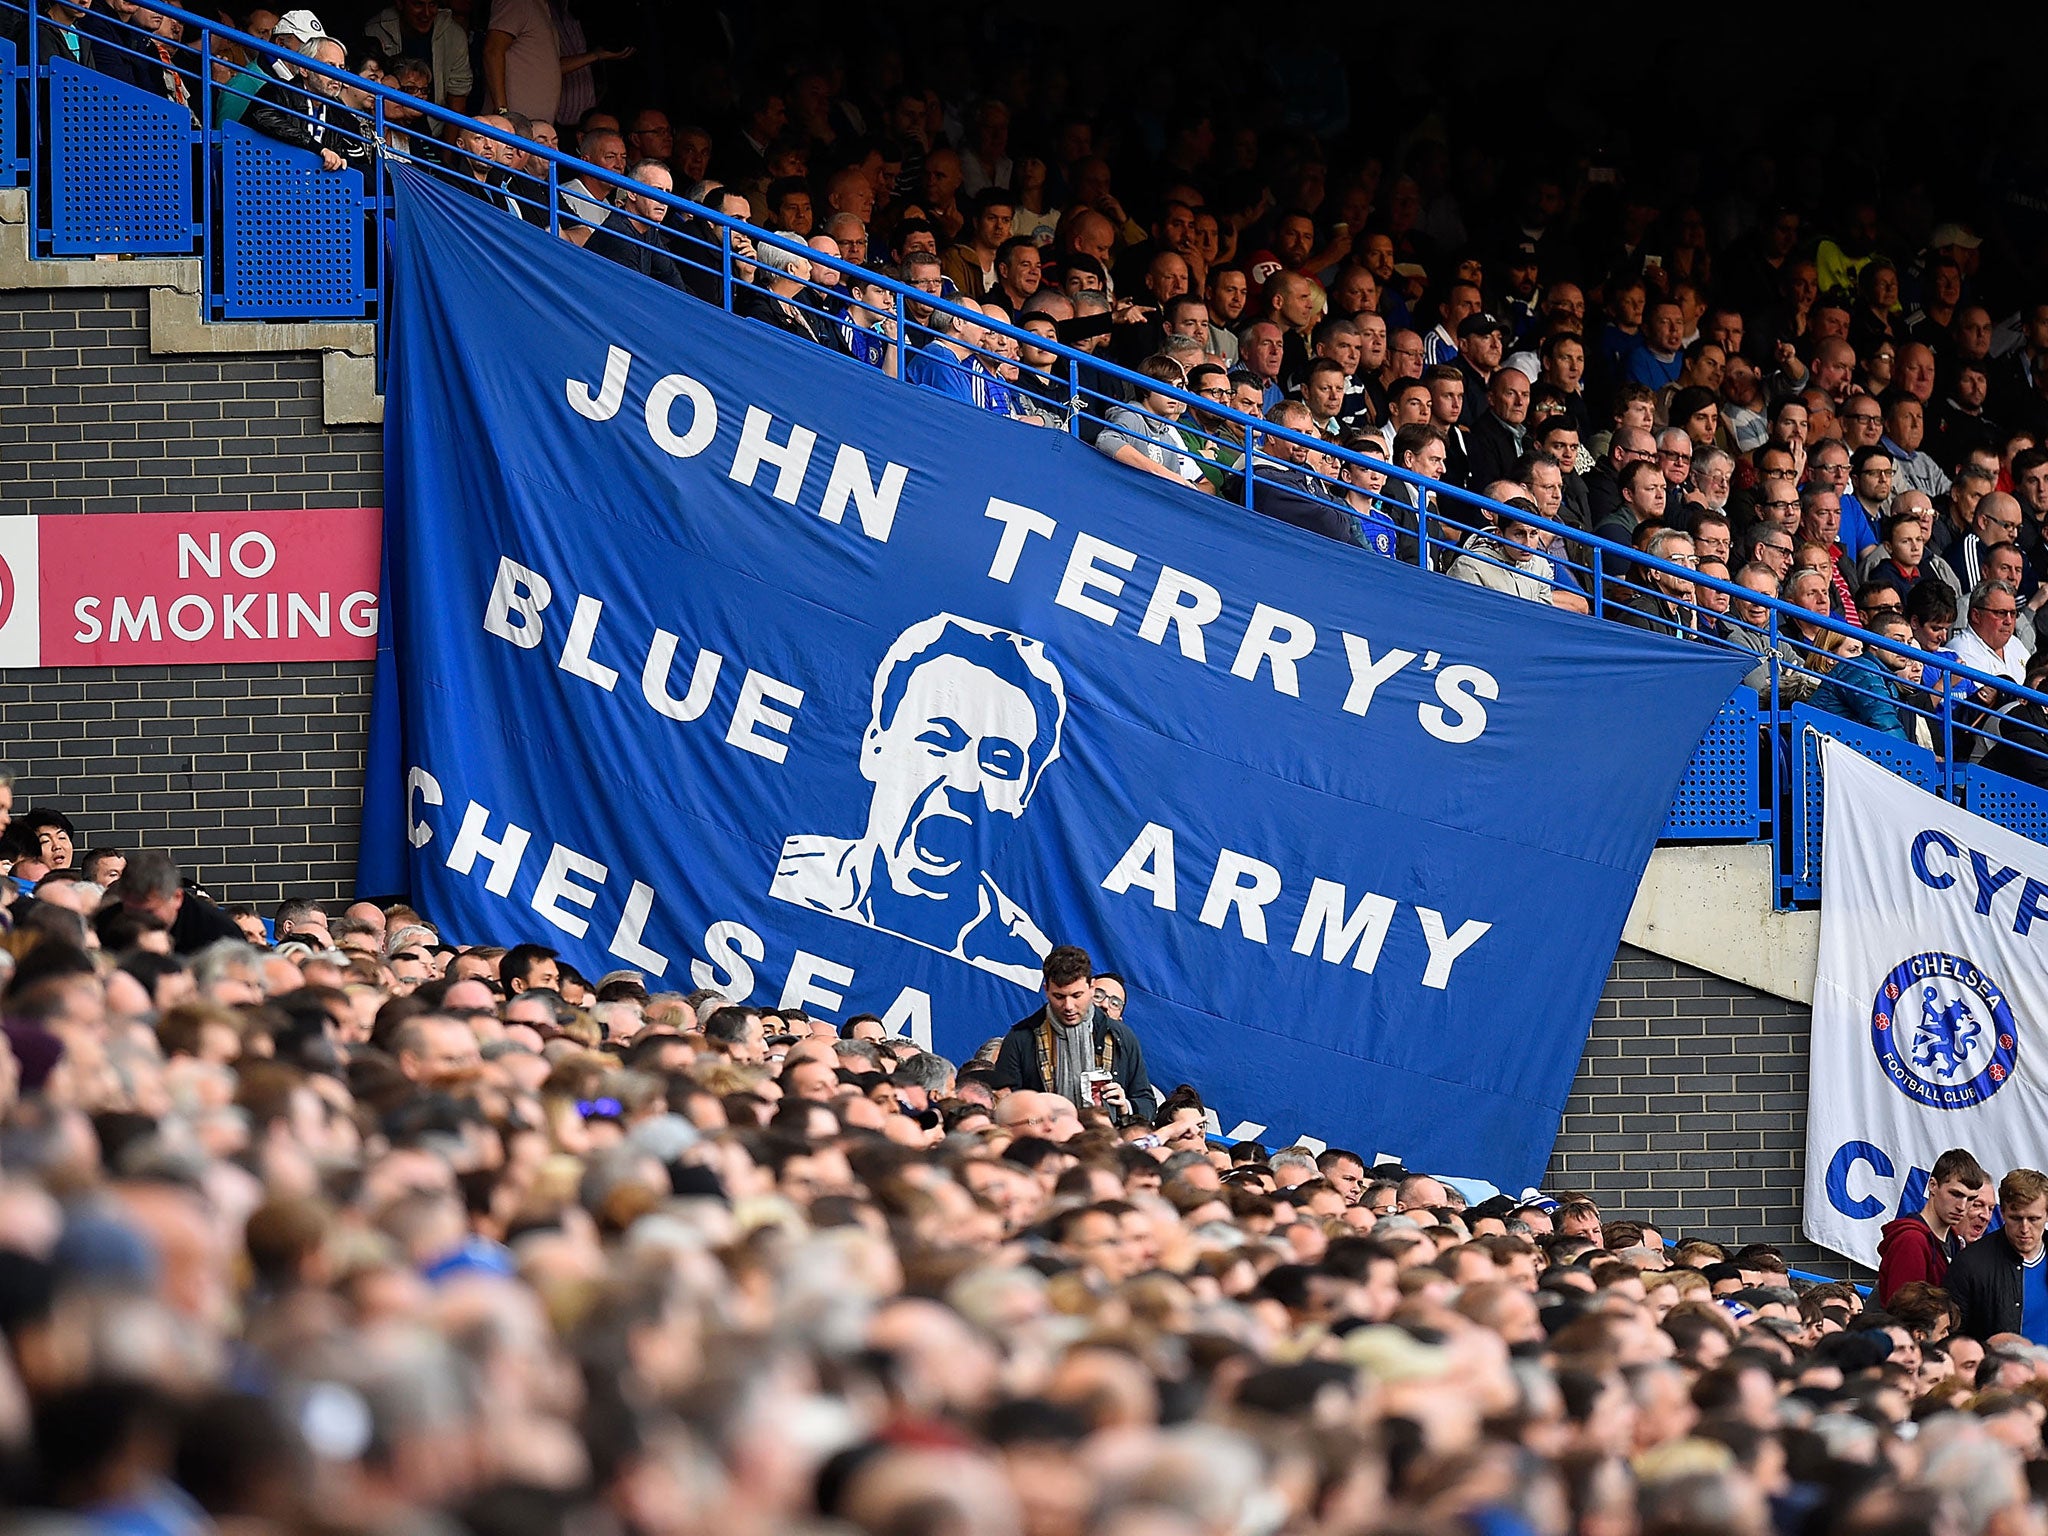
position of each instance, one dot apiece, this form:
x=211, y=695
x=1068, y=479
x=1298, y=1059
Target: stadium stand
x=318, y=1222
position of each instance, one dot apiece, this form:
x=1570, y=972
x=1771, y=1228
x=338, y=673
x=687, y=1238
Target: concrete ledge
x=1710, y=908
x=177, y=321
x=348, y=390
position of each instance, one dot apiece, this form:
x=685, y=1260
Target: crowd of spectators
x=1836, y=403
x=320, y=1223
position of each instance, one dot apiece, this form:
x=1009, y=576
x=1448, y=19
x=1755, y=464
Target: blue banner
x=729, y=660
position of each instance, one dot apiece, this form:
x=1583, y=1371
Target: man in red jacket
x=1919, y=1247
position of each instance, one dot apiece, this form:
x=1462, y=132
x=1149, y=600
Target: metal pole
x=725, y=268
x=205, y=163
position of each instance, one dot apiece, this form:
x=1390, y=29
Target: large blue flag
x=731, y=661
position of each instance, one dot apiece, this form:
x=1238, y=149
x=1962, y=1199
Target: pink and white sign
x=172, y=589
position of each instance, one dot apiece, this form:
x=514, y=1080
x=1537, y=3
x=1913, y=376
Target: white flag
x=1928, y=1003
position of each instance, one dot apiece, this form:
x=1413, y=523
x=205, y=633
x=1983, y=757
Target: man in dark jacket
x=634, y=236
x=153, y=886
x=2001, y=1281
x=60, y=34
x=1059, y=1047
x=306, y=115
x=1921, y=1246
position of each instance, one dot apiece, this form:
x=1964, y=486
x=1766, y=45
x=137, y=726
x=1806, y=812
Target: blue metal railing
x=281, y=238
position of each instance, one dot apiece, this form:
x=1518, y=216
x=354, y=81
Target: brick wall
x=1690, y=1107
x=253, y=774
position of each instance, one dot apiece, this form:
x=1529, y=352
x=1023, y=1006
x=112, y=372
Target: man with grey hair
x=1988, y=644
x=1658, y=600
x=229, y=972
x=852, y=235
x=299, y=114
x=633, y=236
x=586, y=202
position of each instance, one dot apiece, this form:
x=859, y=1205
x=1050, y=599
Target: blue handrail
x=1442, y=514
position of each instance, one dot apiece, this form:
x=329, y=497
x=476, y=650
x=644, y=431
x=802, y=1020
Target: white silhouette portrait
x=964, y=720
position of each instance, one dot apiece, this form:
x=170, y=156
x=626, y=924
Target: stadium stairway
x=177, y=321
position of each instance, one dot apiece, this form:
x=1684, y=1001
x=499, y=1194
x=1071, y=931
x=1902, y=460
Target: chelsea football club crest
x=1944, y=1032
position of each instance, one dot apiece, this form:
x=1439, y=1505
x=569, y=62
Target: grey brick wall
x=1690, y=1107
x=252, y=774
x=91, y=422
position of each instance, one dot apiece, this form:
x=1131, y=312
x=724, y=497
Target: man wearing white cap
x=298, y=31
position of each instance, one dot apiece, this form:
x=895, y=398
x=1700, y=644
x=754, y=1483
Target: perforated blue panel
x=1718, y=797
x=120, y=167
x=294, y=237
x=1912, y=763
x=12, y=163
x=2010, y=802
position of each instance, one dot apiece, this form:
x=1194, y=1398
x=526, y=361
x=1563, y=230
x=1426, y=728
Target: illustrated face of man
x=955, y=752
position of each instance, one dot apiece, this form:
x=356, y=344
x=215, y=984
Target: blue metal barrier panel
x=12, y=161
x=2012, y=803
x=120, y=168
x=294, y=239
x=1915, y=764
x=1719, y=796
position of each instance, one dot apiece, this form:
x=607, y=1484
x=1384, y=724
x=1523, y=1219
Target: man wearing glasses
x=1989, y=644
x=1772, y=544
x=1997, y=521
x=1658, y=600
x=1674, y=457
x=1862, y=423
x=1871, y=472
